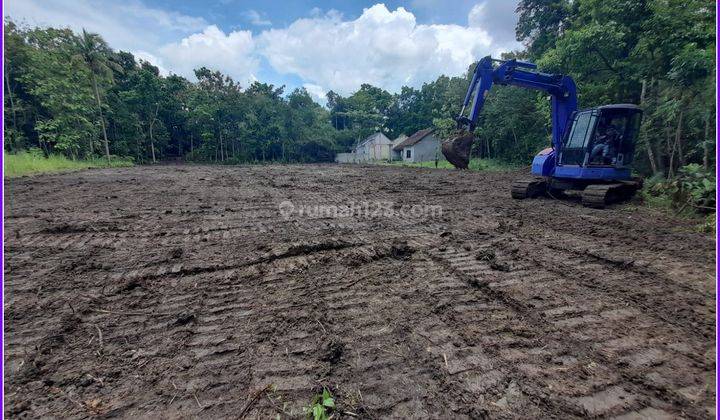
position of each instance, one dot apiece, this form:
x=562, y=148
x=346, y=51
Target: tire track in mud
x=202, y=329
x=640, y=286
x=566, y=318
x=202, y=307
x=302, y=352
x=370, y=331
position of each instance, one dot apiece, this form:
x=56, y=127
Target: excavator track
x=600, y=195
x=528, y=188
x=596, y=196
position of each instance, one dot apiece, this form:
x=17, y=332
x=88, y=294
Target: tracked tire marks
x=630, y=354
x=181, y=291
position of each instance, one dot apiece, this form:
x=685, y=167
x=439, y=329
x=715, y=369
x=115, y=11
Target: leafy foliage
x=321, y=406
x=657, y=53
x=693, y=187
x=66, y=93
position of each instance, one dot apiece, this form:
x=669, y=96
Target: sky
x=319, y=45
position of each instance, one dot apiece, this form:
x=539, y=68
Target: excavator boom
x=515, y=73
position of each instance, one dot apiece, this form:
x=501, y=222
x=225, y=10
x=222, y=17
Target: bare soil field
x=182, y=291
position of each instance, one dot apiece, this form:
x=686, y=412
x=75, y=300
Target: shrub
x=693, y=186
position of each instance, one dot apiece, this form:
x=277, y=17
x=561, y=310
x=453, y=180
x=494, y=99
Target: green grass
x=30, y=163
x=491, y=165
x=704, y=223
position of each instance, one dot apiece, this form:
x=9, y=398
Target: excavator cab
x=602, y=137
x=596, y=155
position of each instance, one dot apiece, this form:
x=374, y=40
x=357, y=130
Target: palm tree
x=93, y=51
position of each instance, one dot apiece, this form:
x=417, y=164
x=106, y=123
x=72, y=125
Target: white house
x=423, y=146
x=374, y=147
x=395, y=154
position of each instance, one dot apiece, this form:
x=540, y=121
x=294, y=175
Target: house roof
x=414, y=139
x=399, y=139
x=374, y=137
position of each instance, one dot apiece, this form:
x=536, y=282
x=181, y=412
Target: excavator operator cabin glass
x=577, y=140
x=581, y=130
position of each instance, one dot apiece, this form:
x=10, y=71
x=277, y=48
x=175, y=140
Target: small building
x=395, y=154
x=375, y=147
x=423, y=146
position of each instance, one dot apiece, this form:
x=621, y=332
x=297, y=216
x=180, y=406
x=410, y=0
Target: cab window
x=581, y=130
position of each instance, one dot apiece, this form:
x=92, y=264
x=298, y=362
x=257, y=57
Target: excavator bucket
x=457, y=149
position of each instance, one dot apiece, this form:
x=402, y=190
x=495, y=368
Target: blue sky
x=320, y=45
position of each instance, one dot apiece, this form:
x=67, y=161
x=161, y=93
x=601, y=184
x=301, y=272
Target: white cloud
x=326, y=51
x=499, y=19
x=318, y=93
x=232, y=53
x=152, y=59
x=382, y=47
x=167, y=20
x=256, y=19
x=129, y=25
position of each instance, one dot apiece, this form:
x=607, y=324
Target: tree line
x=659, y=54
x=71, y=93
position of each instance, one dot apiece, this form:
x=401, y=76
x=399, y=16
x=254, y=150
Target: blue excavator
x=592, y=149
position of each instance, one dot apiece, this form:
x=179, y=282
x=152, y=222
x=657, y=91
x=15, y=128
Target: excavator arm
x=512, y=73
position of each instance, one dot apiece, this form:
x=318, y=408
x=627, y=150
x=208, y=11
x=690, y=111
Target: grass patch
x=476, y=164
x=704, y=223
x=321, y=407
x=32, y=162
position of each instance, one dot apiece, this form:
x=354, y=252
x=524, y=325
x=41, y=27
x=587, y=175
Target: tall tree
x=94, y=52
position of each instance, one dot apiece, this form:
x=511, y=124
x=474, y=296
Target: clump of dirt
x=69, y=322
x=82, y=227
x=486, y=254
x=310, y=248
x=185, y=318
x=500, y=266
x=129, y=285
x=176, y=253
x=332, y=351
x=65, y=228
x=401, y=250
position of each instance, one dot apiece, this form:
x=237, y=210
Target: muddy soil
x=223, y=292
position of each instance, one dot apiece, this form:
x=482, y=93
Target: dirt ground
x=182, y=291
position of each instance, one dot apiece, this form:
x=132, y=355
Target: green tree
x=63, y=113
x=94, y=52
